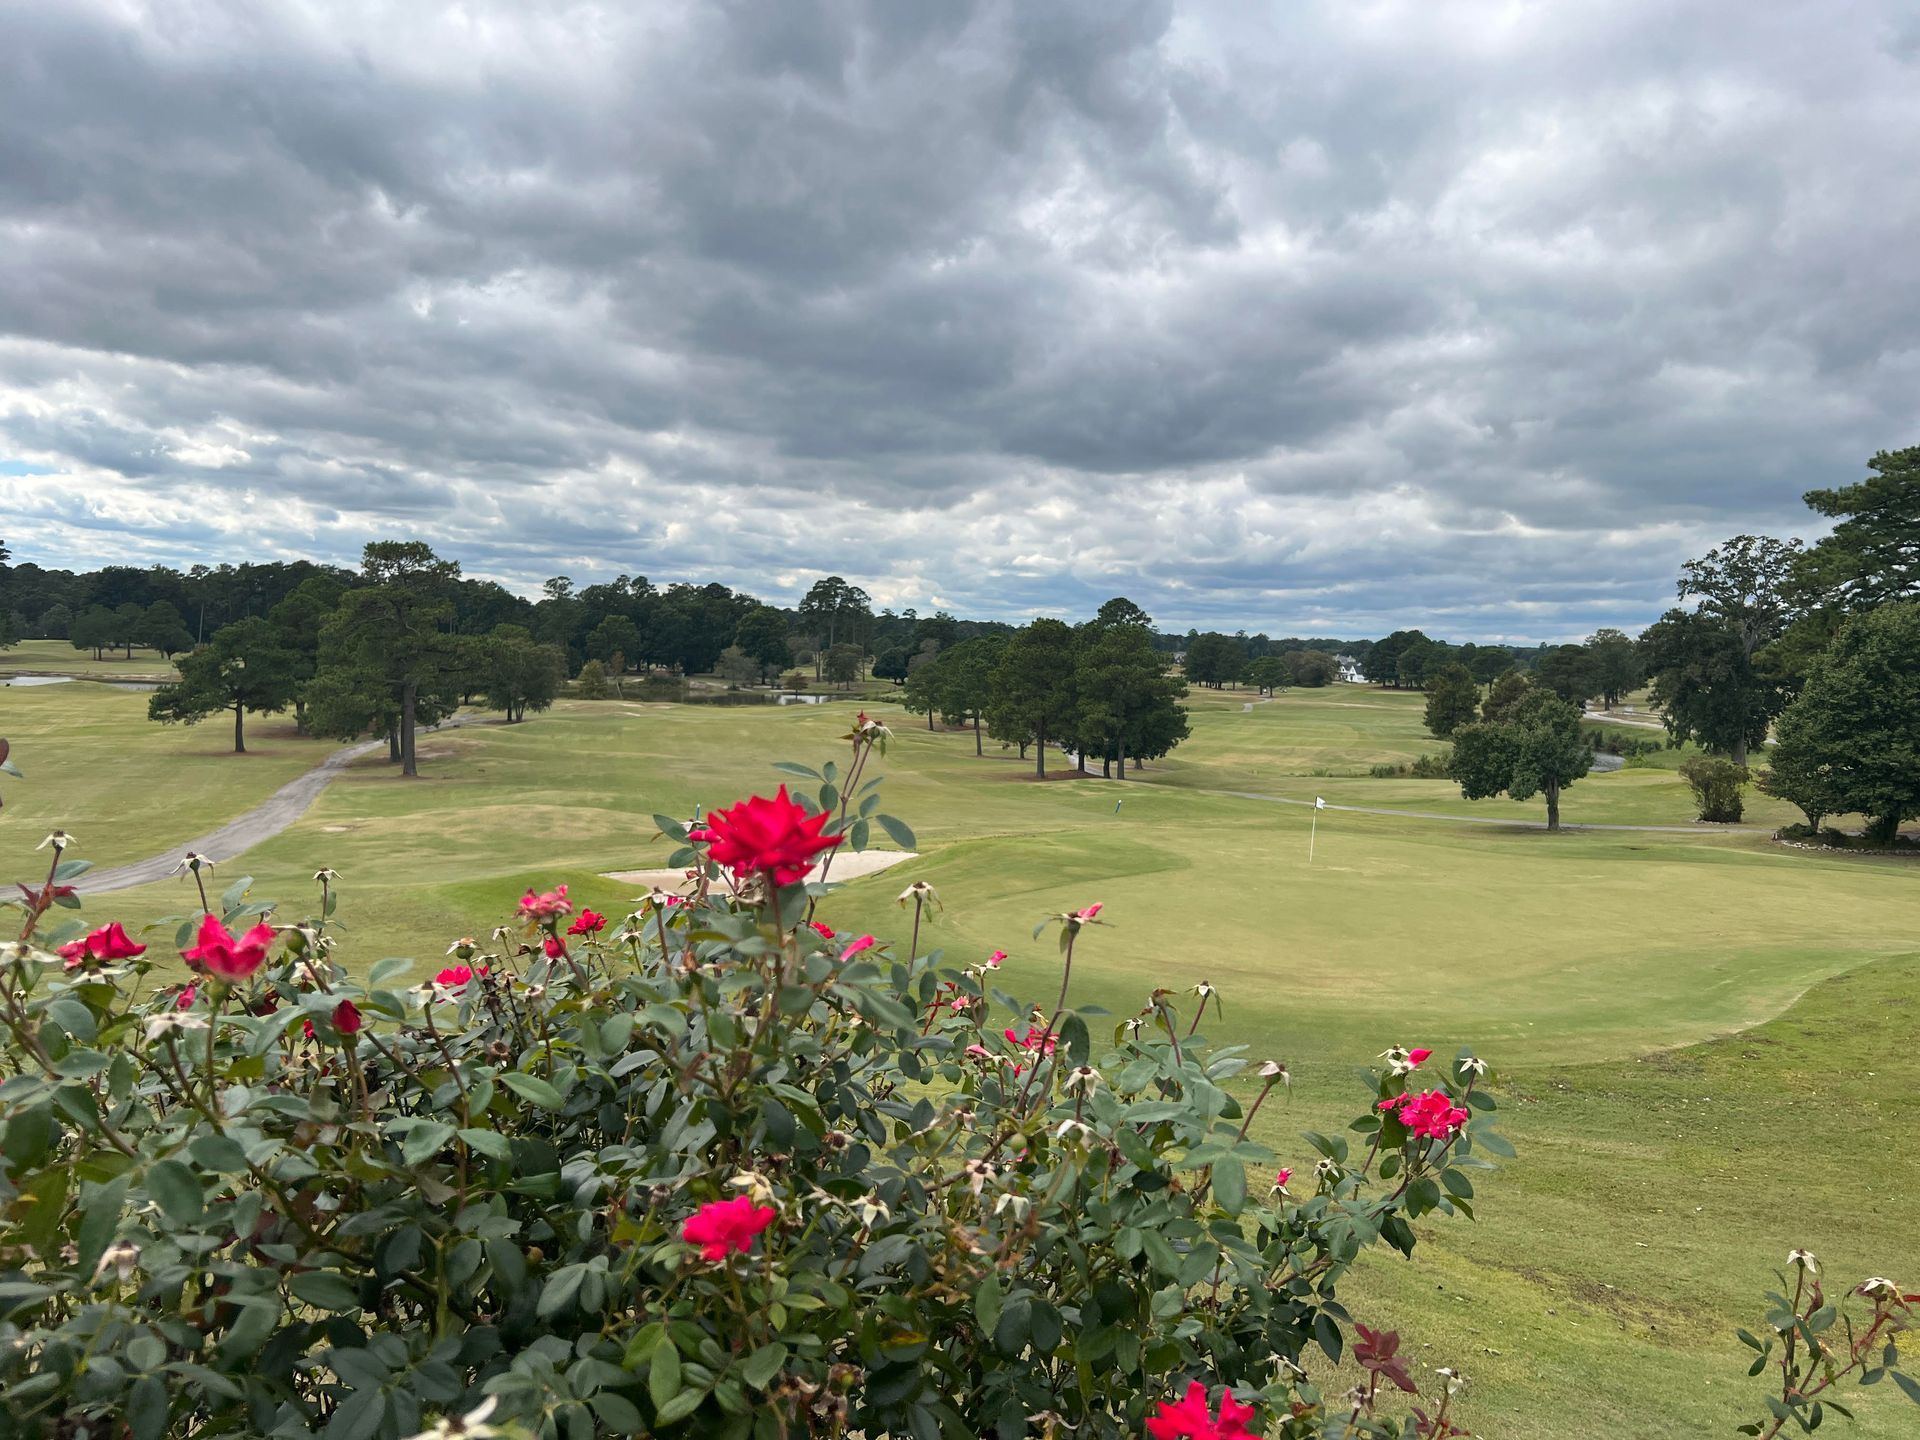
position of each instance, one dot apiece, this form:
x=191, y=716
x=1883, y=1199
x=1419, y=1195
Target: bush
x=1717, y=784
x=591, y=683
x=711, y=1169
x=1427, y=767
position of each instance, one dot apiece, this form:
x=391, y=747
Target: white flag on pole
x=1318, y=803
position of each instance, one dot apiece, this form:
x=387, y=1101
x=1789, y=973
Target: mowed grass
x=93, y=764
x=1323, y=742
x=1671, y=1152
x=57, y=657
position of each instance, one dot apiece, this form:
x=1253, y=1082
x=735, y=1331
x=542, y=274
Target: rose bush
x=711, y=1170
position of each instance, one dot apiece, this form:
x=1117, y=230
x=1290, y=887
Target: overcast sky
x=1312, y=318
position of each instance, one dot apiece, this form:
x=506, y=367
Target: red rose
x=721, y=1226
x=109, y=942
x=226, y=957
x=1189, y=1418
x=346, y=1018
x=591, y=922
x=549, y=905
x=774, y=836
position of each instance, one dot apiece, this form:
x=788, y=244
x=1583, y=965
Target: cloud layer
x=1307, y=318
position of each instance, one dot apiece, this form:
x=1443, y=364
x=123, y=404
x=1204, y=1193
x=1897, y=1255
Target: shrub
x=1717, y=784
x=710, y=1169
x=1426, y=767
x=592, y=682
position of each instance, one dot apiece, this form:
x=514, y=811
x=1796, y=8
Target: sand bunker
x=850, y=866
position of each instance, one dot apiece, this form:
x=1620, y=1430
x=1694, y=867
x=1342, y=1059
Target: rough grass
x=1707, y=1040
x=57, y=657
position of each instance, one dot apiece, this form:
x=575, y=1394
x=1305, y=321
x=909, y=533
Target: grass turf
x=1616, y=978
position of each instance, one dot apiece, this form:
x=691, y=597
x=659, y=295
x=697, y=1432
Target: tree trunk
x=409, y=761
x=299, y=716
x=393, y=744
x=1553, y=809
x=1740, y=750
x=239, y=735
x=1123, y=757
x=1040, y=754
x=1883, y=830
x=929, y=717
x=1106, y=766
x=977, y=748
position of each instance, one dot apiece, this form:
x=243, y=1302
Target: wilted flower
x=1473, y=1066
x=470, y=1426
x=1081, y=1077
x=58, y=839
x=1455, y=1380
x=1071, y=1129
x=979, y=1174
x=191, y=862
x=178, y=1021
x=920, y=891
x=993, y=960
x=1805, y=1260
x=121, y=1258
x=1203, y=990
x=465, y=948
x=326, y=876
x=1274, y=1070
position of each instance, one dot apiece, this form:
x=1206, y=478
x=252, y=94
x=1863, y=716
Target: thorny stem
x=45, y=898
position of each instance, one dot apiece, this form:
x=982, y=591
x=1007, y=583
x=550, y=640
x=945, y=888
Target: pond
x=25, y=680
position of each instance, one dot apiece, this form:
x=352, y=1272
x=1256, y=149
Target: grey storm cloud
x=1326, y=317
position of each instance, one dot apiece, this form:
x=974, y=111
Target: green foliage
x=591, y=684
x=1382, y=663
x=762, y=637
x=1851, y=741
x=244, y=667
x=1033, y=695
x=1613, y=664
x=1504, y=696
x=1568, y=671
x=1215, y=660
x=1537, y=750
x=1873, y=554
x=237, y=1212
x=386, y=658
x=94, y=628
x=1717, y=784
x=1453, y=699
x=1422, y=767
x=1707, y=688
x=1269, y=673
x=161, y=629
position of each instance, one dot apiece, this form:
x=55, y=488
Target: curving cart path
x=240, y=834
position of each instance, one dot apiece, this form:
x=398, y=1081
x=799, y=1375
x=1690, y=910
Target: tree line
x=1102, y=689
x=1808, y=652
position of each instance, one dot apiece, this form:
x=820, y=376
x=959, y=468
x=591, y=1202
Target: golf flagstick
x=1313, y=826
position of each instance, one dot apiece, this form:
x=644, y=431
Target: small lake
x=755, y=697
x=25, y=680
